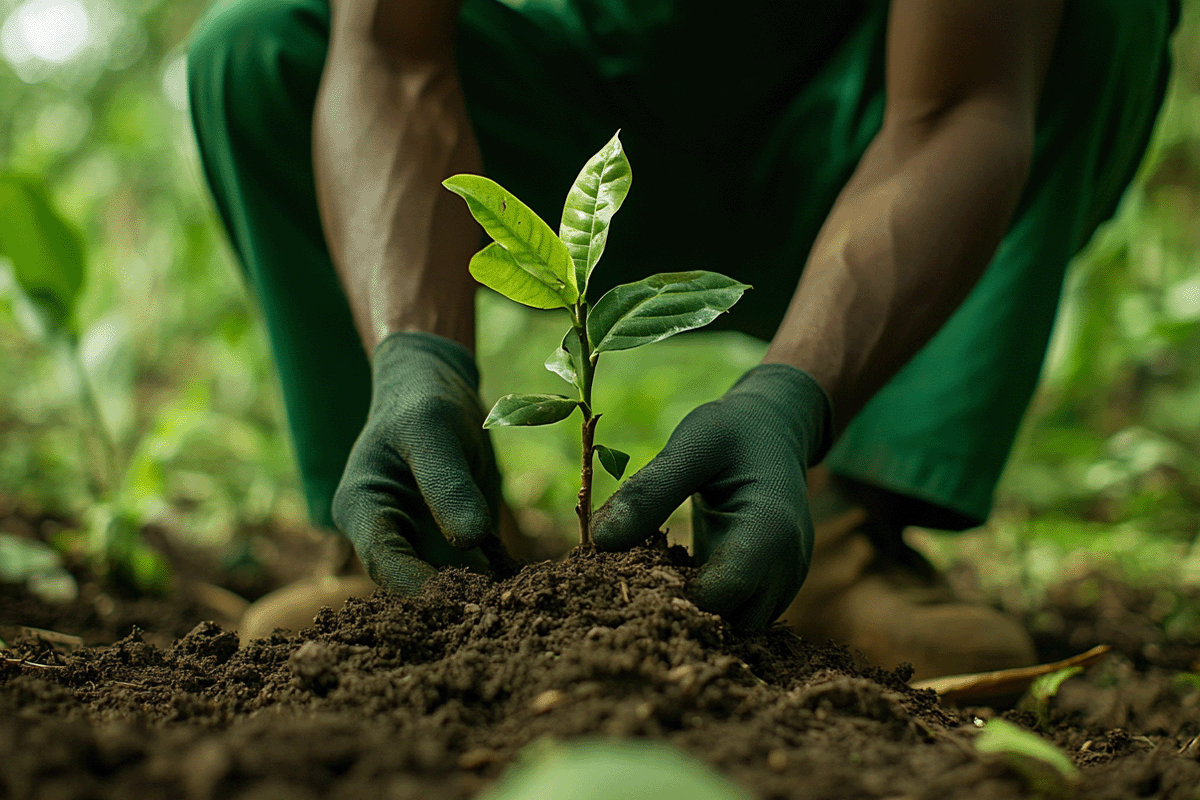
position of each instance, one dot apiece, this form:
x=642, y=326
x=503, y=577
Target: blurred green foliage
x=1107, y=469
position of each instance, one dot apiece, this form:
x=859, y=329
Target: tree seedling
x=528, y=263
x=1042, y=692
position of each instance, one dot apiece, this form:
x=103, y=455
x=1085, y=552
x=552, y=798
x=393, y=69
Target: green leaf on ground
x=565, y=362
x=529, y=409
x=652, y=309
x=534, y=247
x=613, y=460
x=46, y=251
x=598, y=191
x=602, y=770
x=1040, y=763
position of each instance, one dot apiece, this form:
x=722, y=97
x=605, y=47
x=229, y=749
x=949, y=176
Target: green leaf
x=1042, y=691
x=46, y=251
x=527, y=238
x=613, y=460
x=495, y=268
x=21, y=559
x=565, y=361
x=529, y=409
x=1001, y=736
x=600, y=770
x=1046, y=686
x=597, y=193
x=649, y=310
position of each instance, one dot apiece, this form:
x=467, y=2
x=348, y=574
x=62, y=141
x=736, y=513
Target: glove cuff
x=801, y=396
x=402, y=351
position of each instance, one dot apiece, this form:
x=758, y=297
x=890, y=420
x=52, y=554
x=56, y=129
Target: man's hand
x=742, y=458
x=421, y=488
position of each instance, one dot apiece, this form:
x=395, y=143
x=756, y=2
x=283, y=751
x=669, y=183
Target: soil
x=434, y=696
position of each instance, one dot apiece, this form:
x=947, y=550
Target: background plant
x=48, y=265
x=529, y=264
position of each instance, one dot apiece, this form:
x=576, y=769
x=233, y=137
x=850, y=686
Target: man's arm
x=421, y=488
x=390, y=125
x=920, y=219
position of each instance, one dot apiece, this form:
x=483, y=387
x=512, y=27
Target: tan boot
x=894, y=606
x=293, y=607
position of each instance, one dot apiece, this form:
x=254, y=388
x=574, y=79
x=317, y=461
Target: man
x=903, y=183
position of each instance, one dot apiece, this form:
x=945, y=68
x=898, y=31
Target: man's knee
x=257, y=58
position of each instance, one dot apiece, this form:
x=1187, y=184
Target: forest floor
x=435, y=696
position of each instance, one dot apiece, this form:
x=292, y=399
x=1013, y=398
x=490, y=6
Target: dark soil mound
x=433, y=697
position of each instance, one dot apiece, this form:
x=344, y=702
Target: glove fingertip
x=465, y=528
x=614, y=528
x=399, y=573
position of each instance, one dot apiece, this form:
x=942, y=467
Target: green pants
x=749, y=125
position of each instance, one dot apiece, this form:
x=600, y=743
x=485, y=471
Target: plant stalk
x=112, y=456
x=583, y=508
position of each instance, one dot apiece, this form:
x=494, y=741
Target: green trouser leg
x=253, y=71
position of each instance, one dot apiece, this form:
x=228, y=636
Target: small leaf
x=46, y=251
x=1046, y=686
x=598, y=191
x=529, y=409
x=1001, y=736
x=565, y=361
x=21, y=559
x=514, y=226
x=660, y=306
x=495, y=268
x=613, y=460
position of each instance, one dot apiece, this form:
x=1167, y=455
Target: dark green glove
x=421, y=488
x=743, y=459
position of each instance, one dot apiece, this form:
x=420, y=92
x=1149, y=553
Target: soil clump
x=435, y=696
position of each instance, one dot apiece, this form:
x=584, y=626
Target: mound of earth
x=434, y=696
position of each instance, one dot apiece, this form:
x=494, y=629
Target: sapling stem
x=583, y=508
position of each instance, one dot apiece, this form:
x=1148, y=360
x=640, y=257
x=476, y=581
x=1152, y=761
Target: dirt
x=435, y=696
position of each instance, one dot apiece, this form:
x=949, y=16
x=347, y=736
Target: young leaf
x=597, y=193
x=1003, y=737
x=660, y=306
x=613, y=460
x=565, y=361
x=46, y=251
x=1045, y=687
x=495, y=268
x=529, y=409
x=524, y=234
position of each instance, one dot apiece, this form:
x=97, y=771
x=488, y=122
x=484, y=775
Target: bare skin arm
x=920, y=219
x=390, y=125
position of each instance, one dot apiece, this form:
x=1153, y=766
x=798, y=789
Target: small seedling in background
x=1042, y=691
x=1044, y=768
x=49, y=267
x=528, y=263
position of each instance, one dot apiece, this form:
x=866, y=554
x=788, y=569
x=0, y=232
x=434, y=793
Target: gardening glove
x=742, y=458
x=421, y=488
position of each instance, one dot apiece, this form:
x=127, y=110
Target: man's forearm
x=388, y=129
x=906, y=240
